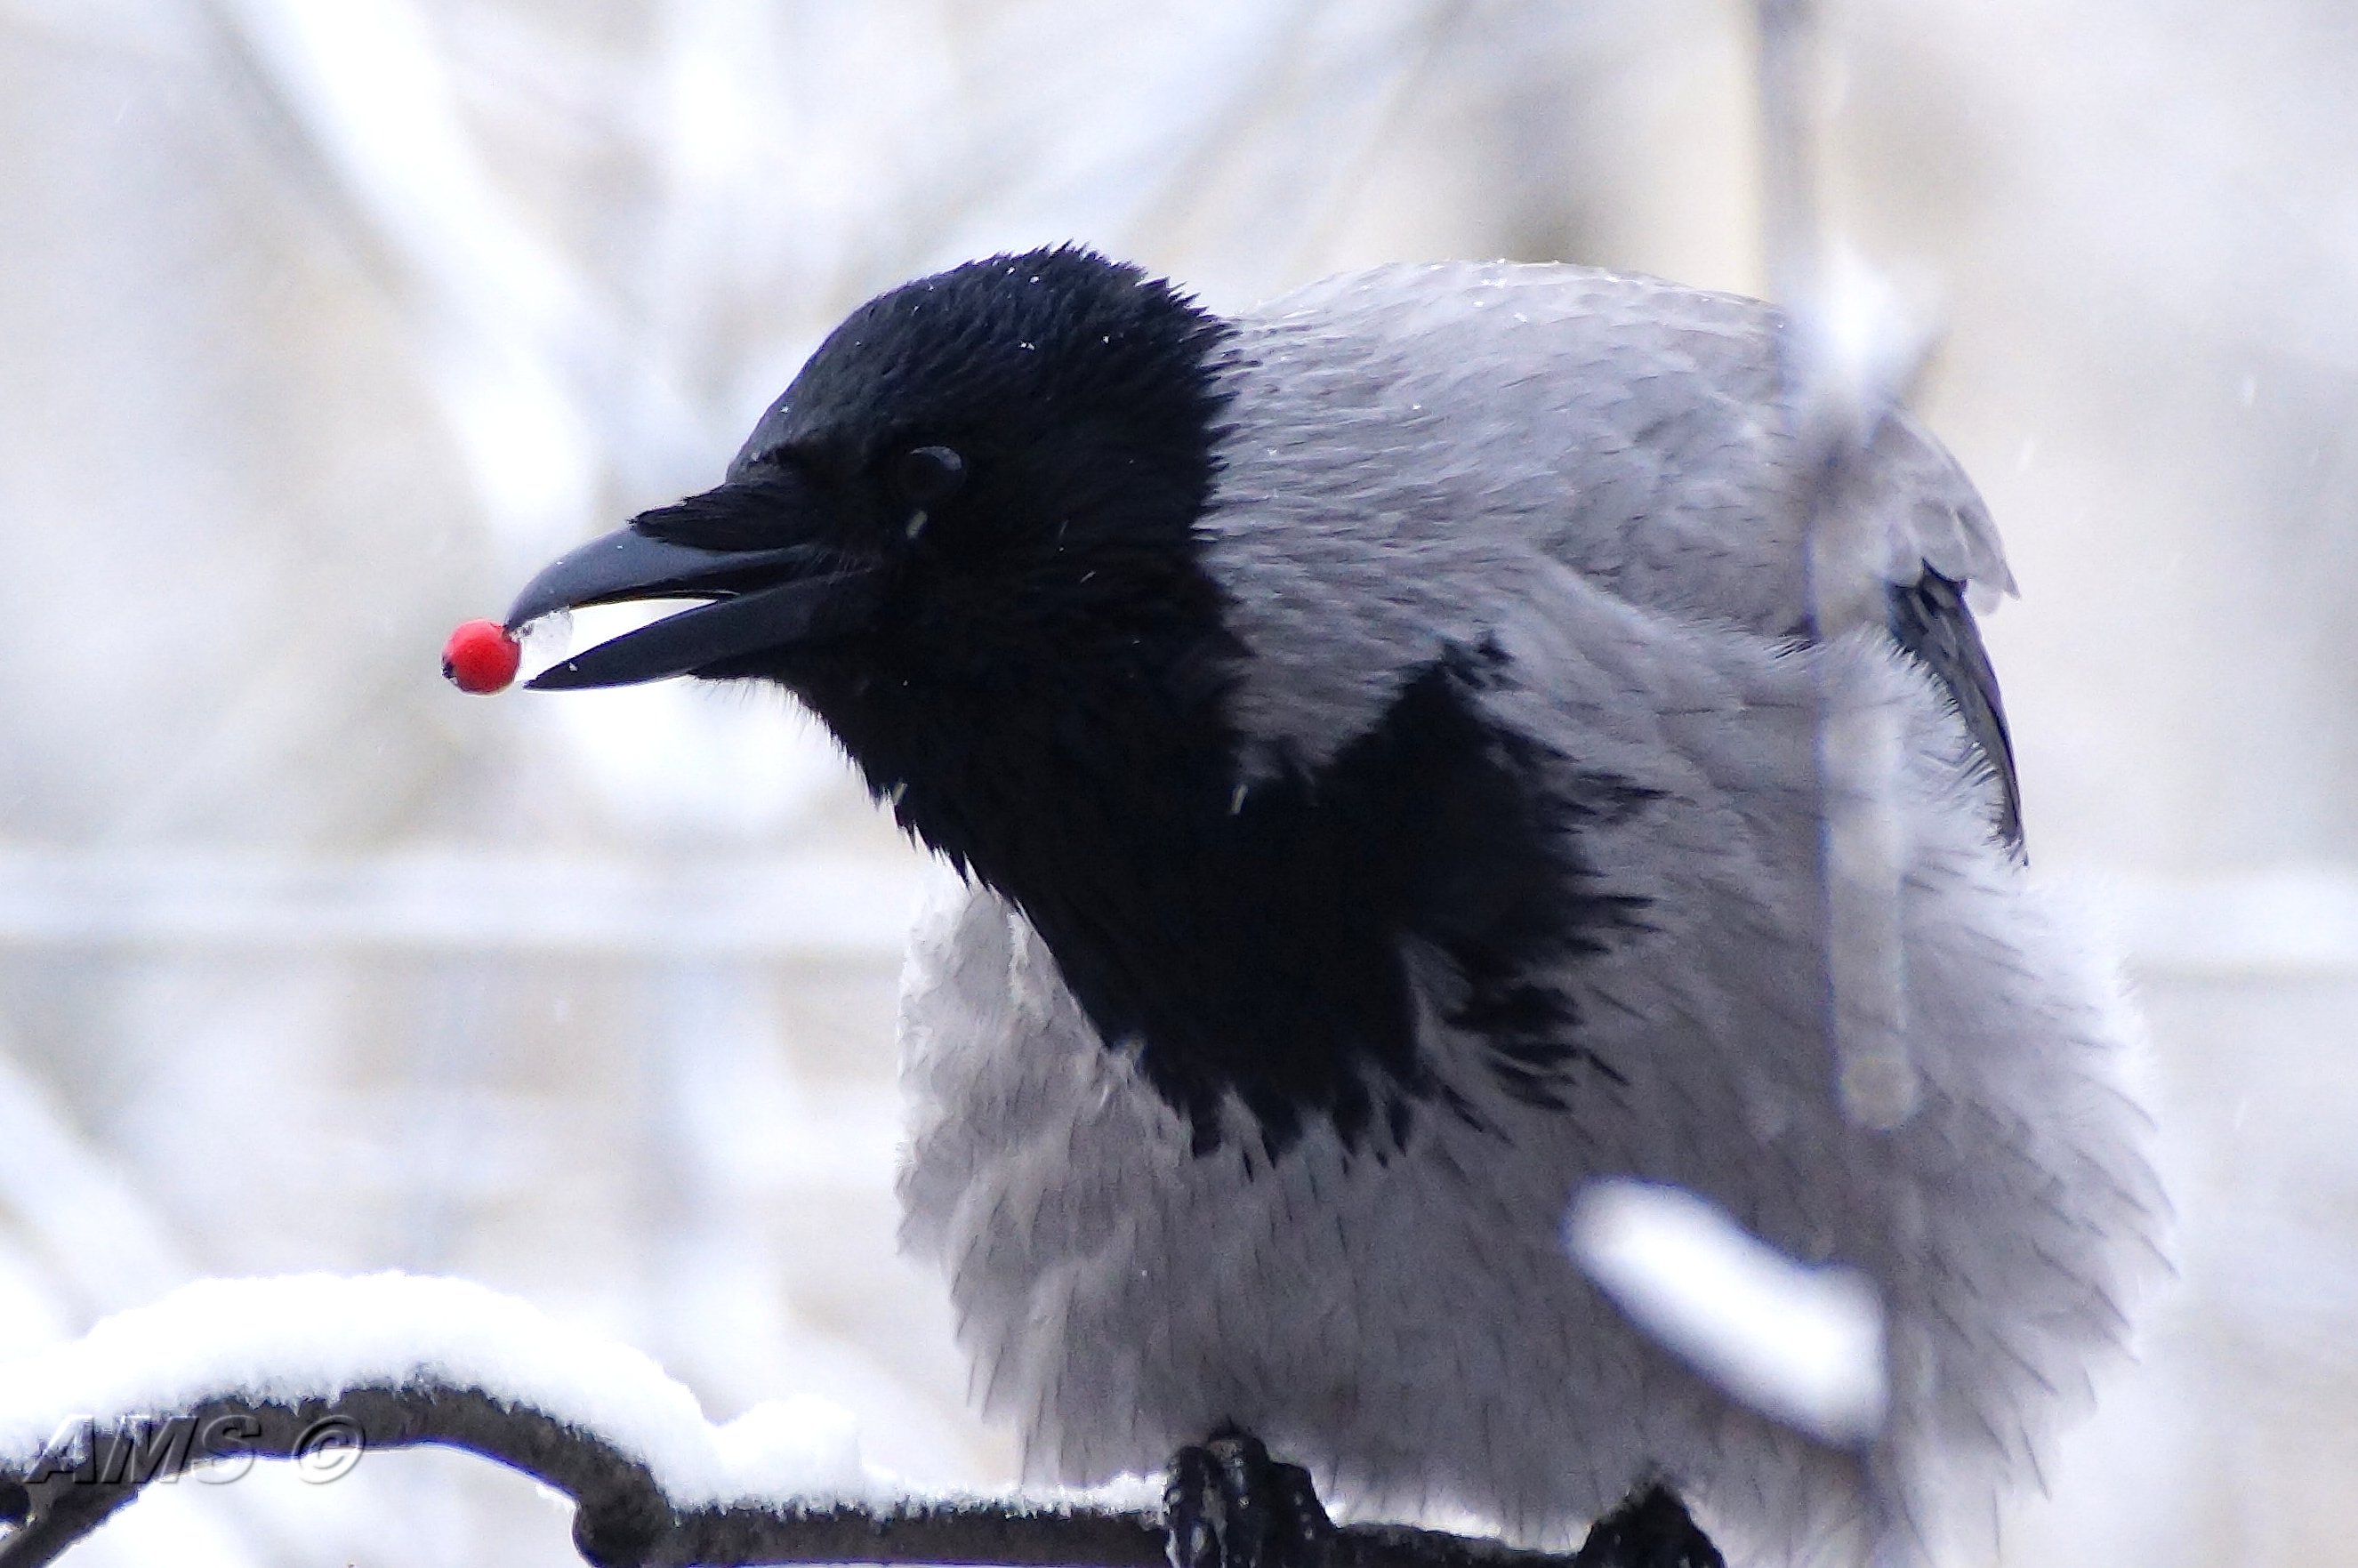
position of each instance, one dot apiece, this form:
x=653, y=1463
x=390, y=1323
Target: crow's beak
x=762, y=597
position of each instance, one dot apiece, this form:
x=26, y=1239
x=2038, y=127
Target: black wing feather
x=1930, y=619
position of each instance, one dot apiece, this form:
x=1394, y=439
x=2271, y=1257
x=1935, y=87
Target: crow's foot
x=1230, y=1504
x=1652, y=1528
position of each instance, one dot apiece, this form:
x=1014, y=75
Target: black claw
x=1230, y=1504
x=1652, y=1528
x=1191, y=1509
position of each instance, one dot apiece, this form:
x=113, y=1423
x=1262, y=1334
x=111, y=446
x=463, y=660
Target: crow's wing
x=1930, y=619
x=1629, y=427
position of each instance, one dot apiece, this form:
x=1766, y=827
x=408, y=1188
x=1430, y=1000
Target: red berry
x=481, y=656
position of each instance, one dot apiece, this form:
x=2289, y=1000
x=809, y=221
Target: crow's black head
x=980, y=479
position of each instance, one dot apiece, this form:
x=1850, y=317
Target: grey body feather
x=1589, y=474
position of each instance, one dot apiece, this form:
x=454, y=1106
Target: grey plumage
x=1587, y=475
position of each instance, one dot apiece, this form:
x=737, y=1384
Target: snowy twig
x=313, y=1367
x=623, y=1514
x=624, y=1519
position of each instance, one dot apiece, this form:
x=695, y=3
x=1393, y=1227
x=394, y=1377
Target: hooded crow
x=1378, y=737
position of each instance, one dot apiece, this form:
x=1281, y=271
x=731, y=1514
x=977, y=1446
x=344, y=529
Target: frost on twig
x=227, y=1371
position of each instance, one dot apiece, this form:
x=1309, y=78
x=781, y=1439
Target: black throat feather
x=1254, y=943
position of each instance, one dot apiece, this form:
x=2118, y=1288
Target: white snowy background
x=322, y=321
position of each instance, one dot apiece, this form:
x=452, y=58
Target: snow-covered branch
x=313, y=1367
x=623, y=1516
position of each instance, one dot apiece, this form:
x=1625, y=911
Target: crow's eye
x=925, y=475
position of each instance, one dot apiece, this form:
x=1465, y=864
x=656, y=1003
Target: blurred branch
x=360, y=96
x=1422, y=46
x=1840, y=390
x=1840, y=386
x=1171, y=196
x=1789, y=216
x=624, y=1518
x=803, y=908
